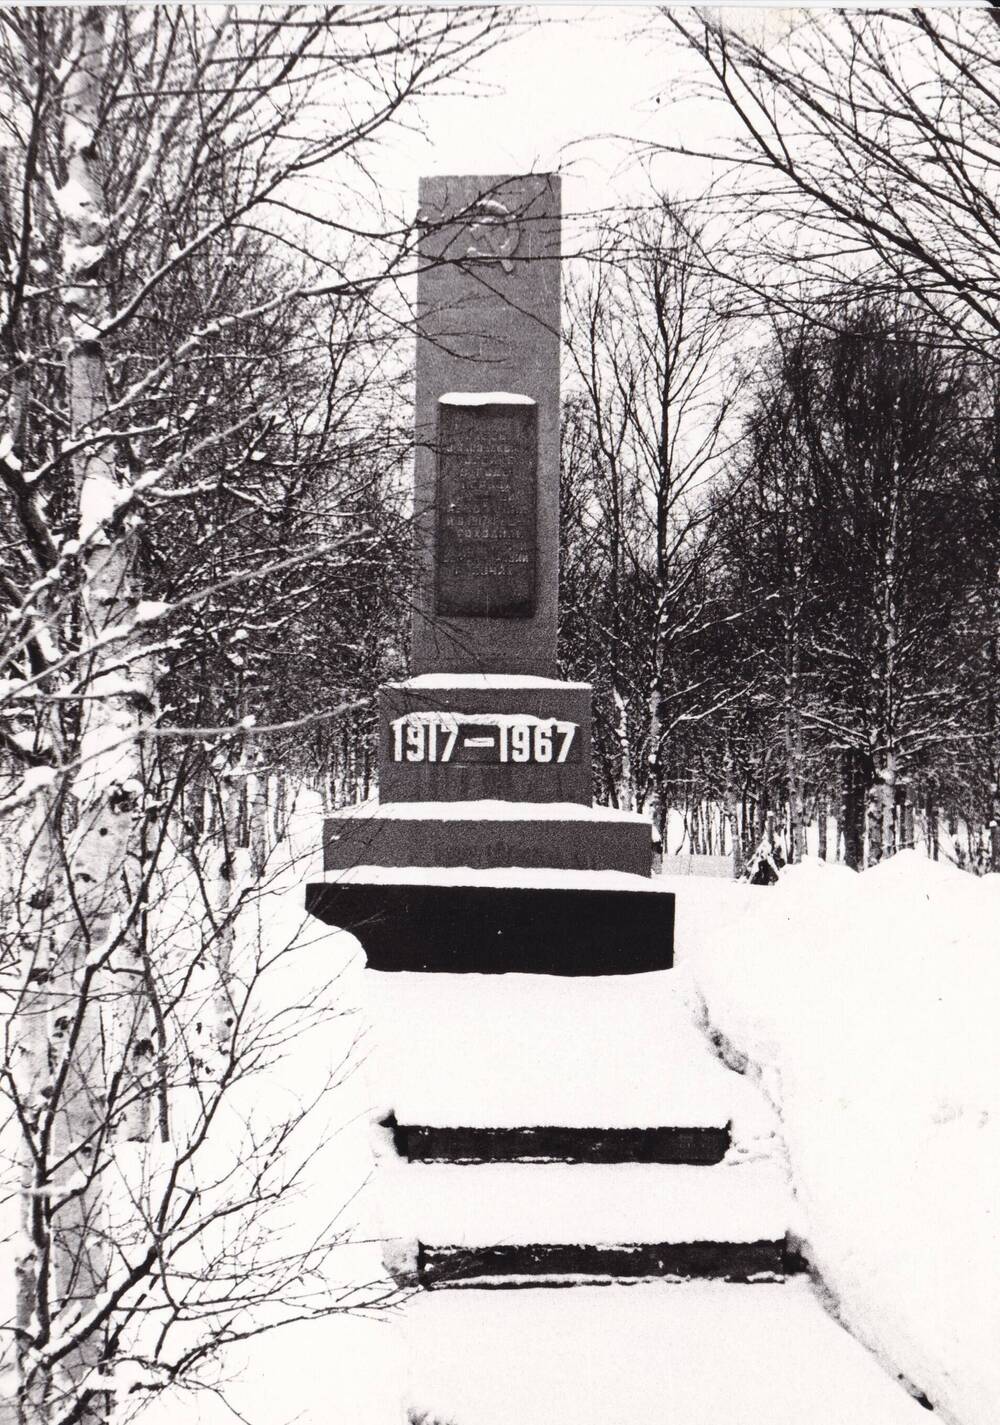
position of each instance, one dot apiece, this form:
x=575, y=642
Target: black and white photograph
x=499, y=714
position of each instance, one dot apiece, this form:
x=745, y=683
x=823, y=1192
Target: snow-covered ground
x=864, y=1007
x=868, y=1009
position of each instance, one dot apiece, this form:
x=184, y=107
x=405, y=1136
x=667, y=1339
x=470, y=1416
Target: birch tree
x=144, y=153
x=866, y=150
x=650, y=342
x=862, y=507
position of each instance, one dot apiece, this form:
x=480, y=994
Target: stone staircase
x=549, y=1113
x=574, y=1130
x=529, y=1144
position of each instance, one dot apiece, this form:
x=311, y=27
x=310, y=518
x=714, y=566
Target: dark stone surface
x=404, y=781
x=420, y=841
x=721, y=1261
x=485, y=540
x=493, y=930
x=488, y=321
x=430, y=1144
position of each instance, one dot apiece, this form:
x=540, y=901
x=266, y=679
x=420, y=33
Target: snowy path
x=700, y=1353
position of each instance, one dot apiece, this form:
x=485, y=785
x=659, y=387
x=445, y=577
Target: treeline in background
x=780, y=571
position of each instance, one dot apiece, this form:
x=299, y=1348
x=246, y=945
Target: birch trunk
x=257, y=815
x=882, y=795
x=280, y=824
x=222, y=1019
x=656, y=806
x=907, y=833
x=89, y=940
x=626, y=785
x=731, y=815
x=32, y=1084
x=793, y=732
x=194, y=800
x=874, y=822
x=822, y=829
x=661, y=656
x=853, y=812
x=933, y=829
x=992, y=681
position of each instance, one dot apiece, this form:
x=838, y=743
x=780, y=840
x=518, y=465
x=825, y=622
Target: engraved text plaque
x=487, y=454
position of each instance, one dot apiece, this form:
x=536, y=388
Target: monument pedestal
x=483, y=771
x=499, y=921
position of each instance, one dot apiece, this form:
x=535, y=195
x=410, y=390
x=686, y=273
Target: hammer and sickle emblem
x=494, y=232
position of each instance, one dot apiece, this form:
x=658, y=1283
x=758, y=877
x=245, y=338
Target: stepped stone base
x=483, y=834
x=491, y=929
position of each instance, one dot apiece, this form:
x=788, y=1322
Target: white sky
x=544, y=101
x=582, y=92
x=586, y=90
x=553, y=99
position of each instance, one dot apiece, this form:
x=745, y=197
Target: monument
x=486, y=477
x=548, y=1114
x=503, y=916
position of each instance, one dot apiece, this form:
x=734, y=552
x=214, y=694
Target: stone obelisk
x=486, y=479
x=485, y=755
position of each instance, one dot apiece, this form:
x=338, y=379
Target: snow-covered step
x=496, y=1203
x=500, y=920
x=697, y=1353
x=584, y=1221
x=488, y=833
x=532, y=1051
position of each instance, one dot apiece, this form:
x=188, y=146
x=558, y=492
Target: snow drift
x=867, y=1006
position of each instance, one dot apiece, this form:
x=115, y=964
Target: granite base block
x=404, y=781
x=490, y=930
x=577, y=844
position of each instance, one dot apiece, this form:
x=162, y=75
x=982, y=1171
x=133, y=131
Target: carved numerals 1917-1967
x=466, y=739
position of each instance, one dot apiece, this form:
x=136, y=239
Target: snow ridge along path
x=866, y=1007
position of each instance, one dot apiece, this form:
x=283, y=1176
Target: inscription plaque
x=487, y=458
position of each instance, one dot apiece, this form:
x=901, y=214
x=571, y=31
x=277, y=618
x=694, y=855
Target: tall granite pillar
x=486, y=478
